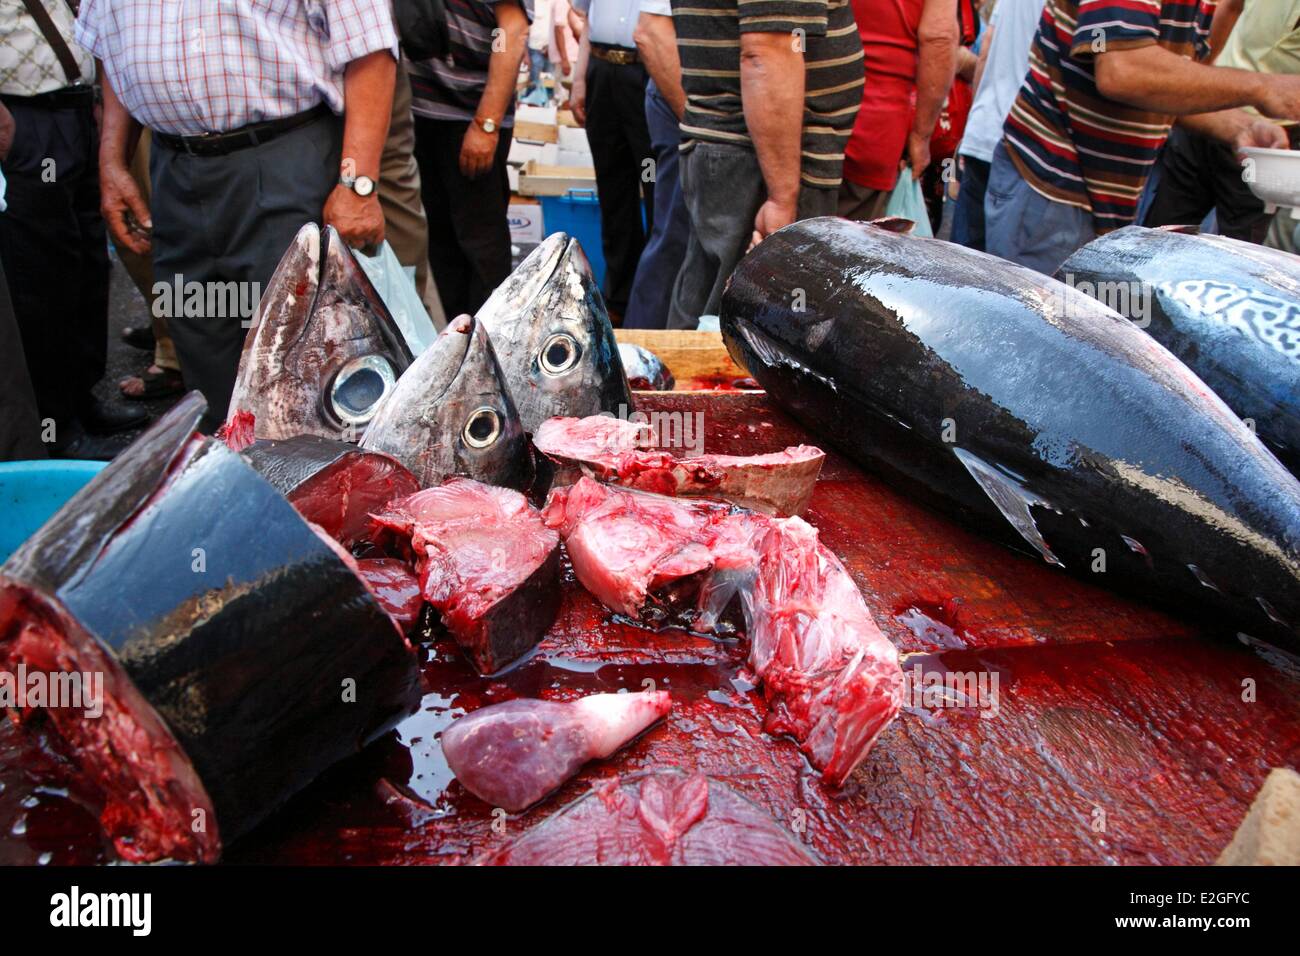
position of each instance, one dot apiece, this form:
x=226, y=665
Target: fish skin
x=1229, y=309
x=455, y=384
x=551, y=304
x=903, y=342
x=319, y=312
x=228, y=670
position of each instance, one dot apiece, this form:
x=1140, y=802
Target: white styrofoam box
x=574, y=138
x=573, y=157
x=521, y=152
x=550, y=155
x=512, y=177
x=545, y=115
x=525, y=223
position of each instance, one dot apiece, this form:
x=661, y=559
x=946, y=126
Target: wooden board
x=536, y=132
x=698, y=360
x=1120, y=735
x=539, y=179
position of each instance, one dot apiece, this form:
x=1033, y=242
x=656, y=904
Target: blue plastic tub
x=31, y=491
x=578, y=213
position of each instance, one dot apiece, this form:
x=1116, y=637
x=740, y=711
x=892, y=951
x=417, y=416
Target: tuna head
x=323, y=350
x=451, y=414
x=553, y=336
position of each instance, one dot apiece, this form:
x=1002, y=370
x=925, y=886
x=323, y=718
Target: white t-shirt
x=539, y=31
x=1014, y=23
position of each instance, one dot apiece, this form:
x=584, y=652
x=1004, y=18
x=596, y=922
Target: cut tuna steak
x=627, y=546
x=664, y=818
x=331, y=483
x=395, y=587
x=241, y=655
x=513, y=754
x=831, y=679
x=485, y=561
x=620, y=452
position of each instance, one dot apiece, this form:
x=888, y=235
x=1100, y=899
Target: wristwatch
x=488, y=125
x=361, y=185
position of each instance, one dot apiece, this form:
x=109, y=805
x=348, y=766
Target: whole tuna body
x=1229, y=309
x=1027, y=408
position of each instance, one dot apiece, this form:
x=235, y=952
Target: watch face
x=364, y=186
x=489, y=126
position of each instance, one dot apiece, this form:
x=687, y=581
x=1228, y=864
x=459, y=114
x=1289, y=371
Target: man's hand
x=359, y=219
x=478, y=151
x=1264, y=134
x=578, y=99
x=124, y=208
x=1279, y=96
x=918, y=153
x=7, y=127
x=772, y=215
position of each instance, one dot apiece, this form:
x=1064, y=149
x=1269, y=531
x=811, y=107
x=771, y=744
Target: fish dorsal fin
x=1181, y=230
x=1012, y=498
x=904, y=227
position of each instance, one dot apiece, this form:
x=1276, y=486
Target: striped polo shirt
x=450, y=88
x=1072, y=144
x=708, y=40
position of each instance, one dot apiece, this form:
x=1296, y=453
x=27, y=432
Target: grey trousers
x=723, y=189
x=229, y=219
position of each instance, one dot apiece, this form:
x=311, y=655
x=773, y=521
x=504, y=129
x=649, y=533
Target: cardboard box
x=525, y=223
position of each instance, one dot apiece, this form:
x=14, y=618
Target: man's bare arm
x=772, y=96
x=1153, y=78
x=120, y=201
x=578, y=94
x=367, y=106
x=1237, y=128
x=938, y=39
x=1225, y=18
x=985, y=45
x=656, y=39
x=509, y=40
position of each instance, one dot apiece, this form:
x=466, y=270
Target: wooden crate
x=536, y=132
x=538, y=179
x=699, y=361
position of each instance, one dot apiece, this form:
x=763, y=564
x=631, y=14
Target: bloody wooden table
x=1103, y=731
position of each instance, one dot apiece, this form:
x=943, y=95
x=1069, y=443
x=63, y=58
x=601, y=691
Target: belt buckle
x=621, y=57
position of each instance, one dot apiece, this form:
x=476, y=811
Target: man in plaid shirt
x=264, y=116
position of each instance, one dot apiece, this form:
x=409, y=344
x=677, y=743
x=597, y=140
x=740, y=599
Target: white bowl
x=1273, y=175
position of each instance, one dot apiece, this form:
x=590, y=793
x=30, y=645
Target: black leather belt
x=618, y=55
x=254, y=134
x=67, y=98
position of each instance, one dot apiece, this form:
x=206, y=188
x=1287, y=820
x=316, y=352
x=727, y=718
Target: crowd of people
x=198, y=138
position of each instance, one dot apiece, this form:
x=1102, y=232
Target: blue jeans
x=1023, y=225
x=968, y=213
x=652, y=287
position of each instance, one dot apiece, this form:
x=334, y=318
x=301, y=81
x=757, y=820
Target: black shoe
x=139, y=337
x=73, y=443
x=101, y=418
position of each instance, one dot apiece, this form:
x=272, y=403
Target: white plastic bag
x=395, y=284
x=907, y=202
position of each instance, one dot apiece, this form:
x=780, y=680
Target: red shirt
x=888, y=29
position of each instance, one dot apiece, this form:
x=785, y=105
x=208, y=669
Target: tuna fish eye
x=482, y=428
x=560, y=353
x=359, y=387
